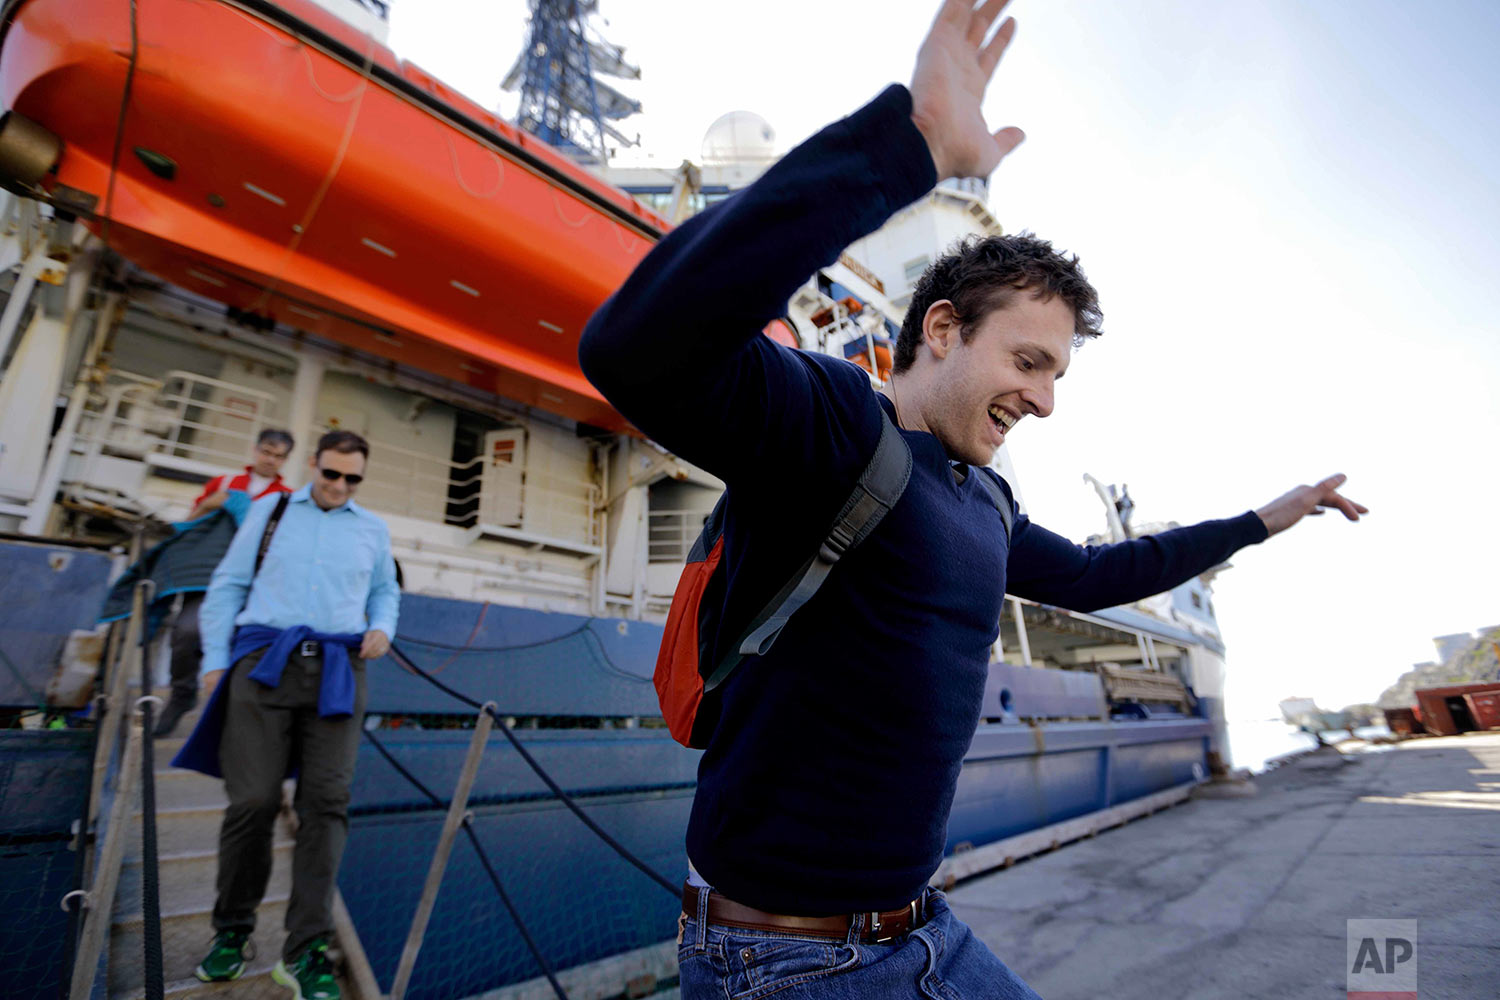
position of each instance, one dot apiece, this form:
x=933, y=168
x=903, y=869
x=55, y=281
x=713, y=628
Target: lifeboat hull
x=274, y=159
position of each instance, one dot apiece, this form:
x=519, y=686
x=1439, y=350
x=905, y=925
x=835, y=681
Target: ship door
x=504, y=467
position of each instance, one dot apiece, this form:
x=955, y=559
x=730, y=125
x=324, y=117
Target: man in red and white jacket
x=260, y=478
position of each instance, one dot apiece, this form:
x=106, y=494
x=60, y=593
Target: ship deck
x=1247, y=895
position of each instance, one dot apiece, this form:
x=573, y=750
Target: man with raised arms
x=823, y=795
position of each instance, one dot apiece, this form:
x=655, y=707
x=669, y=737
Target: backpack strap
x=880, y=485
x=265, y=537
x=997, y=497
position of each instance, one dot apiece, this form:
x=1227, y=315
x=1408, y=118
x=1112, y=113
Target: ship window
x=915, y=267
x=1197, y=599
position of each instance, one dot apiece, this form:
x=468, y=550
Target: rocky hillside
x=1479, y=662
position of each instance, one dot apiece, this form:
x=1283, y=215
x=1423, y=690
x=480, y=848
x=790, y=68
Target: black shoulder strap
x=265, y=538
x=880, y=485
x=997, y=497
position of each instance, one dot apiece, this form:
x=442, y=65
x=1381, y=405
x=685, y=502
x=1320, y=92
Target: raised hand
x=1291, y=507
x=954, y=65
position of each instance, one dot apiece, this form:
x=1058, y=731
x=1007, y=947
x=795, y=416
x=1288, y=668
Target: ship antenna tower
x=563, y=99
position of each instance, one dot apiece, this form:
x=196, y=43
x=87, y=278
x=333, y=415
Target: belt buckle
x=876, y=925
x=308, y=648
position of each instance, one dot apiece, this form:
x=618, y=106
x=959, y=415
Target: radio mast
x=563, y=99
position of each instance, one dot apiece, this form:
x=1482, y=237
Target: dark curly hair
x=979, y=274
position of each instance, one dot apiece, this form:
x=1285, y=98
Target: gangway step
x=188, y=881
x=255, y=984
x=185, y=939
x=180, y=830
x=176, y=788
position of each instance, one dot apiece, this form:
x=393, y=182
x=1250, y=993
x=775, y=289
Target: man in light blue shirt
x=306, y=593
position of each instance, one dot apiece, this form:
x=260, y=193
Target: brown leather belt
x=878, y=926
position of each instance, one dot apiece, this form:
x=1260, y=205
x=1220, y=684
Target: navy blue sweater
x=827, y=784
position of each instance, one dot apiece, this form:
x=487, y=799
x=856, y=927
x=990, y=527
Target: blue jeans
x=941, y=960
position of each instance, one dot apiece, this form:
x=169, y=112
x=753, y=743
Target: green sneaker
x=226, y=958
x=310, y=975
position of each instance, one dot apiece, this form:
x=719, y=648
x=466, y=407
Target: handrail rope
x=484, y=859
x=150, y=884
x=552, y=785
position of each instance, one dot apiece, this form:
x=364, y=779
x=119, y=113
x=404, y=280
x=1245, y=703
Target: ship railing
x=183, y=421
x=210, y=421
x=116, y=416
x=561, y=508
x=528, y=505
x=670, y=534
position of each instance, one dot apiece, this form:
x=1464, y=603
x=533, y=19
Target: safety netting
x=44, y=779
x=573, y=846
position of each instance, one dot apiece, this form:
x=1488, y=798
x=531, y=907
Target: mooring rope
x=484, y=859
x=553, y=786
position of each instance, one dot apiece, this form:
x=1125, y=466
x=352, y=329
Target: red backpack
x=686, y=684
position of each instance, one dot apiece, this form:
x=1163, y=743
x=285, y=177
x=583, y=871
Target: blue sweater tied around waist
x=335, y=696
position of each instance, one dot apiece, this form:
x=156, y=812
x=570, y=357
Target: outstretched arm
x=1046, y=567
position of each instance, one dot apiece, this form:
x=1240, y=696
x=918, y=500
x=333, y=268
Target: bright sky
x=1291, y=214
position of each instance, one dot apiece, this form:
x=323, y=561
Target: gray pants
x=263, y=729
x=187, y=654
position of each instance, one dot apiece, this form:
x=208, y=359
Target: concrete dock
x=1247, y=896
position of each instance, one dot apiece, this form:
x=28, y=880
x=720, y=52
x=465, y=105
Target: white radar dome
x=739, y=137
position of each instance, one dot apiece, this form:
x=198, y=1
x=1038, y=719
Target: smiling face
x=327, y=493
x=971, y=394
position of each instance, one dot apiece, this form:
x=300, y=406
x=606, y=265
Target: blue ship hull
x=580, y=901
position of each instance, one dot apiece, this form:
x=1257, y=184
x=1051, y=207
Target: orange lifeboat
x=273, y=158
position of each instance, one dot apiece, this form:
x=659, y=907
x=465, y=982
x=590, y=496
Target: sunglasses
x=333, y=476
